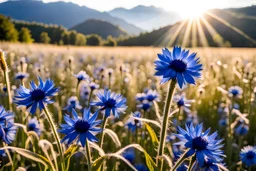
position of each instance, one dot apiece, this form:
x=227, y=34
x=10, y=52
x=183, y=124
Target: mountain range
x=146, y=17
x=60, y=13
x=218, y=27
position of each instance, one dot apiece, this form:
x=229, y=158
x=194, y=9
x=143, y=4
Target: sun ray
x=217, y=38
x=175, y=35
x=201, y=34
x=232, y=27
x=185, y=40
x=164, y=38
x=194, y=34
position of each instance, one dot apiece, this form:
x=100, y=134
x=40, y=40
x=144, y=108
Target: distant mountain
x=246, y=11
x=99, y=27
x=60, y=13
x=215, y=28
x=146, y=17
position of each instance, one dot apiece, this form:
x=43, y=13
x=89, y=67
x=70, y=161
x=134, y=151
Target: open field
x=128, y=71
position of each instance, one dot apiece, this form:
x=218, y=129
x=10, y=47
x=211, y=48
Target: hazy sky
x=171, y=5
x=174, y=5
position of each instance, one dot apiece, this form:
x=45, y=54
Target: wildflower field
x=98, y=108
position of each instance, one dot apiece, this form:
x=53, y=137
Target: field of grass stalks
x=130, y=141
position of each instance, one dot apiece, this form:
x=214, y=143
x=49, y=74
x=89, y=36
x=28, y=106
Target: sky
x=170, y=5
x=179, y=6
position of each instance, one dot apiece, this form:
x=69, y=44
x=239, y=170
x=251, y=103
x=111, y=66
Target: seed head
x=3, y=63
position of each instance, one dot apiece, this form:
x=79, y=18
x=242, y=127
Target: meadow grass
x=129, y=71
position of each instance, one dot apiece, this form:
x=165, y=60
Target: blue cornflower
x=8, y=132
x=248, y=156
x=223, y=122
x=235, y=91
x=152, y=95
x=36, y=96
x=80, y=128
x=73, y=103
x=82, y=76
x=93, y=86
x=192, y=118
x=21, y=76
x=129, y=155
x=200, y=143
x=140, y=97
x=242, y=129
x=182, y=102
x=132, y=123
x=34, y=125
x=111, y=103
x=141, y=167
x=5, y=116
x=144, y=105
x=178, y=65
x=209, y=165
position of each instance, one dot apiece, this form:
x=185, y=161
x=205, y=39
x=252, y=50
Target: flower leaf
x=98, y=163
x=30, y=155
x=152, y=135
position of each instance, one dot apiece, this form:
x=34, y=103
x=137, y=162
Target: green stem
x=77, y=89
x=191, y=162
x=105, y=119
x=88, y=153
x=178, y=117
x=103, y=127
x=7, y=82
x=167, y=109
x=89, y=100
x=182, y=158
x=56, y=136
x=109, y=82
x=229, y=136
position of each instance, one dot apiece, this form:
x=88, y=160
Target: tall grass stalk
x=5, y=69
x=88, y=154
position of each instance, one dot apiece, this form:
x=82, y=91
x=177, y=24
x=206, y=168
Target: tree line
x=29, y=32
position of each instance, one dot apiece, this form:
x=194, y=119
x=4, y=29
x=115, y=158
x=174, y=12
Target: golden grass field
x=132, y=72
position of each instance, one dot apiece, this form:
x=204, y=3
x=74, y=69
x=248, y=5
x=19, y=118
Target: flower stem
x=90, y=97
x=88, y=153
x=191, y=162
x=8, y=154
x=182, y=158
x=77, y=89
x=109, y=82
x=105, y=119
x=7, y=82
x=167, y=109
x=103, y=127
x=230, y=133
x=56, y=136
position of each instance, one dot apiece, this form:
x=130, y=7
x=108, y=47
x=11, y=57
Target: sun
x=193, y=14
x=193, y=9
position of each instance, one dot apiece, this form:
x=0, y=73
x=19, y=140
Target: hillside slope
x=99, y=27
